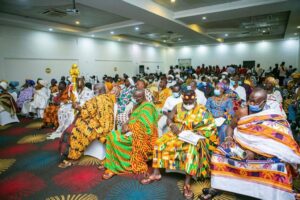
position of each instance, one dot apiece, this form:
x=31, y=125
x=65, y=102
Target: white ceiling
x=159, y=22
x=180, y=5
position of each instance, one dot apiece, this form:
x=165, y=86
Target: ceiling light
x=93, y=35
x=204, y=18
x=298, y=26
x=264, y=31
x=179, y=39
x=173, y=1
x=137, y=28
x=50, y=29
x=295, y=33
x=112, y=32
x=226, y=35
x=77, y=22
x=164, y=40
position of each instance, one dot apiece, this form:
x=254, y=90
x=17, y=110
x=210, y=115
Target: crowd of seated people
x=234, y=125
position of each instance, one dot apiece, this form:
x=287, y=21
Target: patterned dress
x=124, y=98
x=222, y=108
x=126, y=153
x=237, y=101
x=95, y=121
x=50, y=113
x=26, y=94
x=174, y=154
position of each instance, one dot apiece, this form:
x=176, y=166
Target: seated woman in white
x=8, y=106
x=39, y=102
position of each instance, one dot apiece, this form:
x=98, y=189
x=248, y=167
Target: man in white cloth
x=68, y=111
x=201, y=99
x=170, y=103
x=171, y=81
x=39, y=102
x=258, y=156
x=236, y=86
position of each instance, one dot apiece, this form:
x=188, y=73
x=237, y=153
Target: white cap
x=170, y=75
x=4, y=85
x=43, y=82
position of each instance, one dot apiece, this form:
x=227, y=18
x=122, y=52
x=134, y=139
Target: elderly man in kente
x=128, y=149
x=259, y=155
x=94, y=122
x=173, y=153
x=50, y=118
x=8, y=106
x=67, y=110
x=123, y=118
x=221, y=107
x=161, y=96
x=26, y=93
x=39, y=101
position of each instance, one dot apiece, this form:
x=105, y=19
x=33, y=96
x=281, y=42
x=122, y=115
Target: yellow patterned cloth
x=162, y=97
x=172, y=153
x=95, y=121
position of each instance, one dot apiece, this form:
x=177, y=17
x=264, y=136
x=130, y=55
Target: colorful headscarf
x=109, y=86
x=222, y=86
x=14, y=83
x=30, y=82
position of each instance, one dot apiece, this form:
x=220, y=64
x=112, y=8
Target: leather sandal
x=107, y=174
x=148, y=180
x=64, y=164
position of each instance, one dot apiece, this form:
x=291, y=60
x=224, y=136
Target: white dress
x=170, y=103
x=38, y=104
x=66, y=113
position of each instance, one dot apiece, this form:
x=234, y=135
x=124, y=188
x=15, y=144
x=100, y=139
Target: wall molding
x=105, y=60
x=151, y=61
x=19, y=58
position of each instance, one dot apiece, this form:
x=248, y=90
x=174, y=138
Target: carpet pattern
x=28, y=170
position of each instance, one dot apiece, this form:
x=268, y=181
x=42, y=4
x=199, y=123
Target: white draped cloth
x=66, y=113
x=38, y=104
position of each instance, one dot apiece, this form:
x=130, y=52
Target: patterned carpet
x=28, y=170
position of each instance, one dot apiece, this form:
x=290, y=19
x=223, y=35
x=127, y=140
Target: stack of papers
x=190, y=137
x=219, y=121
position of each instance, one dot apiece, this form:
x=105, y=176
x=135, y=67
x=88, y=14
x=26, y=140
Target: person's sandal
x=65, y=164
x=148, y=180
x=107, y=175
x=187, y=192
x=101, y=167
